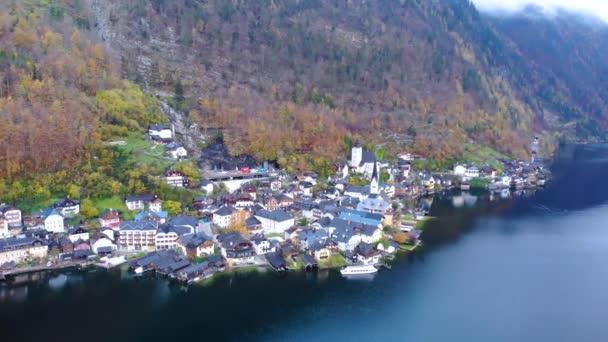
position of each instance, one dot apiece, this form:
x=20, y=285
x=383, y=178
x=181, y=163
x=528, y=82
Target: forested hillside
x=294, y=81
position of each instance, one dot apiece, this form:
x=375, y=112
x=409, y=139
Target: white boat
x=139, y=270
x=360, y=269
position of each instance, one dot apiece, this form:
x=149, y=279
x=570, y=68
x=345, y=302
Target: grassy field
x=146, y=152
x=334, y=261
x=480, y=155
x=115, y=203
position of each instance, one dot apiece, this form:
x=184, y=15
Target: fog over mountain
x=597, y=8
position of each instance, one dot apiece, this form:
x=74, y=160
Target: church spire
x=374, y=185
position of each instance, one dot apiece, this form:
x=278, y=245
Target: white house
x=207, y=186
x=366, y=254
x=160, y=132
x=176, y=179
x=274, y=222
x=78, y=233
x=168, y=234
x=137, y=235
x=139, y=202
x=459, y=170
x=361, y=160
x=222, y=216
x=471, y=172
x=3, y=228
x=262, y=245
x=349, y=234
x=178, y=152
x=67, y=207
x=11, y=214
x=196, y=245
x=53, y=221
x=104, y=244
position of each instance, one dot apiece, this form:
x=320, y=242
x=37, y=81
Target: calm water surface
x=515, y=269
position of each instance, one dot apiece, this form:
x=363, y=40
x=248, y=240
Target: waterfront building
x=137, y=236
x=20, y=249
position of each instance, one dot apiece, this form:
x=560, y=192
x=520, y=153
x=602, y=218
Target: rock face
x=187, y=133
x=377, y=56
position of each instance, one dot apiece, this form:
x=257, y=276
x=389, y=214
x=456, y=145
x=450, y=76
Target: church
x=361, y=160
x=374, y=203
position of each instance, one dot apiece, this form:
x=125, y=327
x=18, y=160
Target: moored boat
x=359, y=269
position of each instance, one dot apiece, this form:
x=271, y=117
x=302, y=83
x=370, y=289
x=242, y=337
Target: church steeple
x=374, y=186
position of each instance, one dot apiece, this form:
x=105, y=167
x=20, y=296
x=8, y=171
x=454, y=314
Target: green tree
x=88, y=209
x=173, y=207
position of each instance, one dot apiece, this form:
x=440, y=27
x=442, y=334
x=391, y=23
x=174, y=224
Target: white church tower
x=356, y=155
x=374, y=187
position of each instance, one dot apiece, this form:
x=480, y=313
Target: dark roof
x=252, y=222
x=65, y=203
x=232, y=239
x=16, y=243
x=158, y=127
x=308, y=260
x=143, y=198
x=185, y=220
x=224, y=211
x=7, y=207
x=275, y=215
x=138, y=225
x=365, y=249
x=367, y=157
x=194, y=240
x=168, y=228
x=375, y=172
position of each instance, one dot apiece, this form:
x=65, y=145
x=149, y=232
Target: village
x=365, y=214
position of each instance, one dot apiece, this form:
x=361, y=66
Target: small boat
x=139, y=270
x=360, y=269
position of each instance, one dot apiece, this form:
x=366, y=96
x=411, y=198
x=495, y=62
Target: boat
x=360, y=269
x=139, y=270
x=465, y=187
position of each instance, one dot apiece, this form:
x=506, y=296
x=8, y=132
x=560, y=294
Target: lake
x=495, y=268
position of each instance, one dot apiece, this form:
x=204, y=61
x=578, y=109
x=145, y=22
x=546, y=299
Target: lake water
x=514, y=269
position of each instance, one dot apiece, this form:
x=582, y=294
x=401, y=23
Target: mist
x=596, y=8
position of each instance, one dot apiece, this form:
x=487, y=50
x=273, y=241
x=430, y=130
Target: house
x=176, y=179
x=348, y=234
x=276, y=221
x=427, y=180
x=196, y=272
x=243, y=201
x=376, y=204
x=52, y=220
x=139, y=202
x=277, y=201
x=196, y=245
x=253, y=224
x=367, y=254
x=276, y=185
x=4, y=231
x=20, y=249
x=110, y=219
x=81, y=245
x=277, y=261
x=207, y=186
x=177, y=152
x=103, y=245
x=459, y=170
x=306, y=188
x=251, y=191
x=160, y=133
x=67, y=207
x=466, y=172
x=363, y=217
x=236, y=249
x=137, y=235
x=185, y=221
x=223, y=216
x=78, y=233
x=155, y=216
x=362, y=161
x=168, y=234
x=262, y=245
x=11, y=214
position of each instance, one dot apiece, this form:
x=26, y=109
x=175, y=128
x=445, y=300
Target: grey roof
x=224, y=211
x=188, y=221
x=231, y=239
x=194, y=240
x=275, y=215
x=19, y=242
x=143, y=197
x=6, y=207
x=168, y=228
x=252, y=222
x=158, y=127
x=344, y=229
x=138, y=225
x=65, y=203
x=367, y=157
